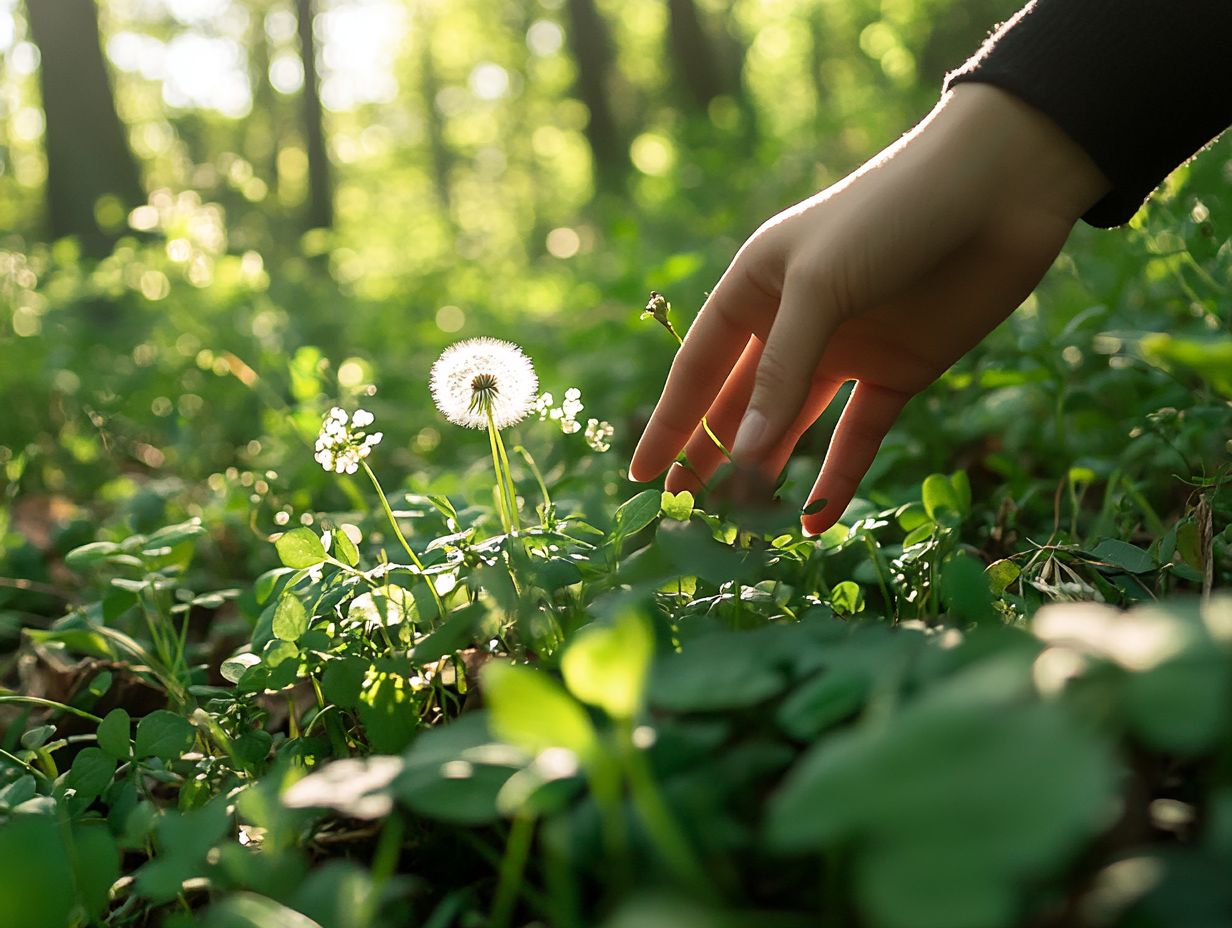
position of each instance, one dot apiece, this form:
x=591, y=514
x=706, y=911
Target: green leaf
x=93, y=553
x=385, y=606
x=1210, y=356
x=343, y=680
x=171, y=536
x=847, y=598
x=36, y=737
x=716, y=672
x=1122, y=554
x=113, y=734
x=344, y=547
x=636, y=513
x=678, y=506
x=453, y=775
x=250, y=910
x=962, y=490
x=96, y=864
x=912, y=518
x=36, y=881
x=300, y=548
x=605, y=665
x=387, y=709
x=290, y=618
x=1001, y=574
x=531, y=711
x=1001, y=792
x=164, y=734
x=237, y=665
x=1189, y=544
x=965, y=589
x=556, y=573
x=823, y=702
x=268, y=581
x=940, y=497
x=91, y=772
x=17, y=792
x=457, y=632
x=253, y=746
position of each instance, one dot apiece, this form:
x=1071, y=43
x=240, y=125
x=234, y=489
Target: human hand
x=886, y=278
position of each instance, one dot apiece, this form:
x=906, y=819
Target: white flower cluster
x=566, y=413
x=343, y=442
x=599, y=434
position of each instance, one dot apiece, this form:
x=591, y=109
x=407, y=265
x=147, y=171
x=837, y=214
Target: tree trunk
x=261, y=129
x=591, y=45
x=693, y=55
x=429, y=87
x=320, y=214
x=88, y=157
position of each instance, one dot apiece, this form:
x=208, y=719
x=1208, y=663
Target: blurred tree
x=261, y=128
x=434, y=122
x=320, y=180
x=591, y=44
x=695, y=58
x=88, y=158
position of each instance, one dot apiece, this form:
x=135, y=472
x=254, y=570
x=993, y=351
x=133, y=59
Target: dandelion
x=343, y=443
x=484, y=380
x=488, y=383
x=598, y=434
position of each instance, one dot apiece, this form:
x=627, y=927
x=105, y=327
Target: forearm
x=1140, y=85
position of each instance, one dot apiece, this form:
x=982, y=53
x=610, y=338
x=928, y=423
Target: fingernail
x=748, y=436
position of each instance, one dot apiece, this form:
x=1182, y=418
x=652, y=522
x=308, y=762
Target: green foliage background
x=725, y=723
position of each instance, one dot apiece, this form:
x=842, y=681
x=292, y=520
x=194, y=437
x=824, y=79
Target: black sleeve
x=1140, y=84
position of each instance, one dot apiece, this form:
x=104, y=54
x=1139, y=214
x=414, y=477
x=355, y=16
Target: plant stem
x=393, y=522
x=517, y=849
x=534, y=469
x=657, y=818
x=504, y=478
x=705, y=425
x=52, y=704
x=501, y=504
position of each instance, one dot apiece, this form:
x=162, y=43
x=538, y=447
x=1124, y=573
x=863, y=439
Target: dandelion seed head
x=480, y=373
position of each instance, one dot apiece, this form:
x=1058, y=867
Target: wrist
x=1025, y=156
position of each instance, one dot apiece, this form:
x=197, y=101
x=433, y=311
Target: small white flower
x=598, y=434
x=569, y=426
x=473, y=376
x=342, y=445
x=543, y=405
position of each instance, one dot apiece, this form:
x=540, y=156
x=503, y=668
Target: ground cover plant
x=325, y=599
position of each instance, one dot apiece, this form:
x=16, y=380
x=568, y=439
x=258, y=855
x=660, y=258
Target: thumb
x=785, y=374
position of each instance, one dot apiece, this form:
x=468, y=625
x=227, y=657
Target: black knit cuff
x=1140, y=84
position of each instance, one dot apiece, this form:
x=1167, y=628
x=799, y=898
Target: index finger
x=701, y=367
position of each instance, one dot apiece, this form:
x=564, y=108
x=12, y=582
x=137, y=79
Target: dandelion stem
x=393, y=522
x=504, y=481
x=502, y=505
